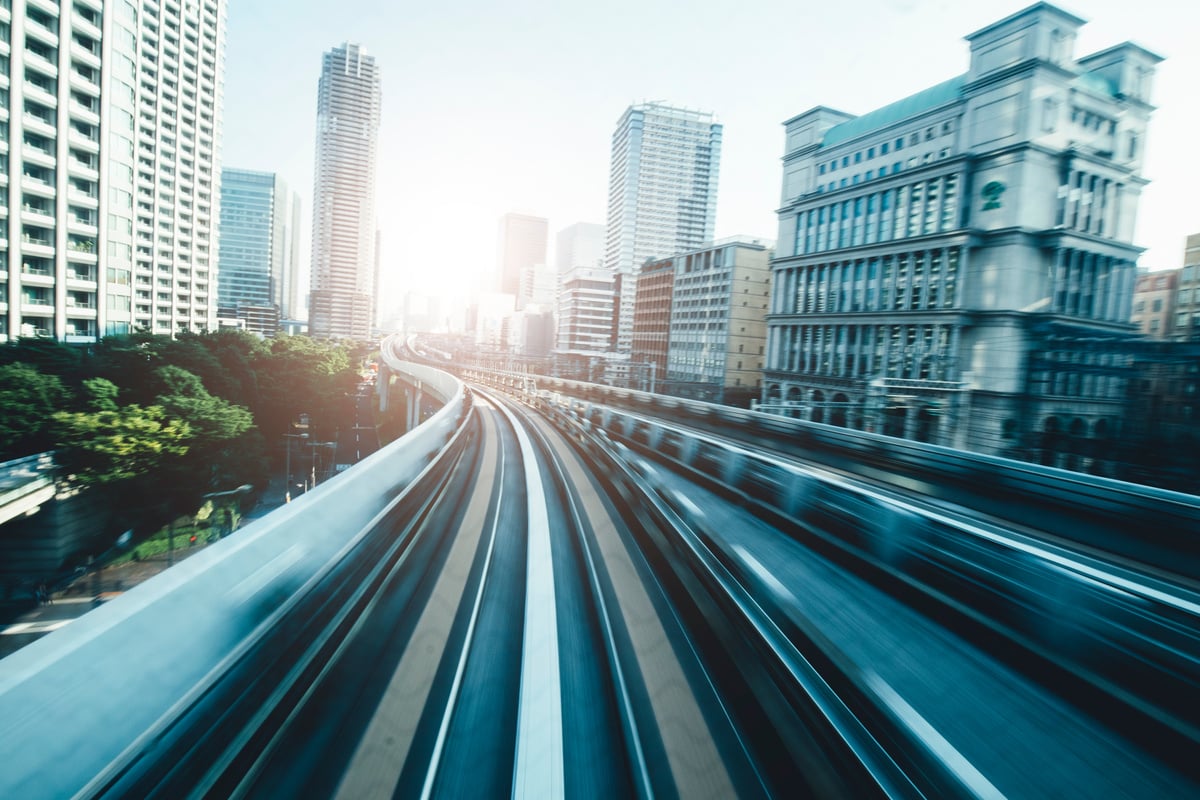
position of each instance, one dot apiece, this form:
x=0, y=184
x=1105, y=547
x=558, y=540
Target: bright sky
x=492, y=106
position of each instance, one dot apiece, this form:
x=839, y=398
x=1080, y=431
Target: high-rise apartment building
x=662, y=193
x=949, y=265
x=344, y=267
x=521, y=244
x=259, y=267
x=110, y=195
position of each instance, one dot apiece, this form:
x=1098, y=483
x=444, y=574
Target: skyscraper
x=579, y=245
x=344, y=233
x=662, y=193
x=150, y=91
x=521, y=244
x=258, y=254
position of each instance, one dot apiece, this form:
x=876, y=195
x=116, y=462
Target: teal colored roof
x=1097, y=83
x=934, y=96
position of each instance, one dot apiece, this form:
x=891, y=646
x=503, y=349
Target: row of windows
x=914, y=352
x=916, y=209
x=914, y=139
x=883, y=171
x=1090, y=204
x=918, y=281
x=1090, y=285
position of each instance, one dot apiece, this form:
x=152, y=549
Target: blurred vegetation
x=155, y=423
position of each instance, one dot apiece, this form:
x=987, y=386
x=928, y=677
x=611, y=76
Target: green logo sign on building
x=991, y=194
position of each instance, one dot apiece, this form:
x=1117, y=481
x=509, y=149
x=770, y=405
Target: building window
x=900, y=143
x=821, y=171
x=870, y=152
x=883, y=149
x=858, y=157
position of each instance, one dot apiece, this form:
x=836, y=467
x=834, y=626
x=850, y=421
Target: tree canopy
x=29, y=399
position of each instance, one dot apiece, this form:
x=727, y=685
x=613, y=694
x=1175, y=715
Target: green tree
x=28, y=400
x=210, y=418
x=101, y=447
x=101, y=394
x=302, y=375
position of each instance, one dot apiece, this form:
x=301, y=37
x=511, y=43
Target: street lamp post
x=314, y=446
x=245, y=487
x=287, y=496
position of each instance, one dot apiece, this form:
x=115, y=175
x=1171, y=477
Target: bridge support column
x=412, y=396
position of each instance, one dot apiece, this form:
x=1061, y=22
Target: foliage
x=154, y=422
x=47, y=356
x=210, y=418
x=104, y=446
x=298, y=375
x=101, y=394
x=28, y=398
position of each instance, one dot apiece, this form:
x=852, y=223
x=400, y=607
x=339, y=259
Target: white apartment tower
x=662, y=193
x=108, y=189
x=344, y=265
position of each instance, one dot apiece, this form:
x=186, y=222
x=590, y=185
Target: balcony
x=36, y=30
x=83, y=141
x=82, y=169
x=41, y=64
x=38, y=125
x=81, y=278
x=83, y=252
x=36, y=246
x=36, y=155
x=40, y=93
x=37, y=307
x=84, y=113
x=37, y=215
x=84, y=55
x=32, y=275
x=85, y=225
x=83, y=25
x=86, y=199
x=84, y=83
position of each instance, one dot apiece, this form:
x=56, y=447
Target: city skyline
x=550, y=109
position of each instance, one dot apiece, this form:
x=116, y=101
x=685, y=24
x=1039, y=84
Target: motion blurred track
x=547, y=613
